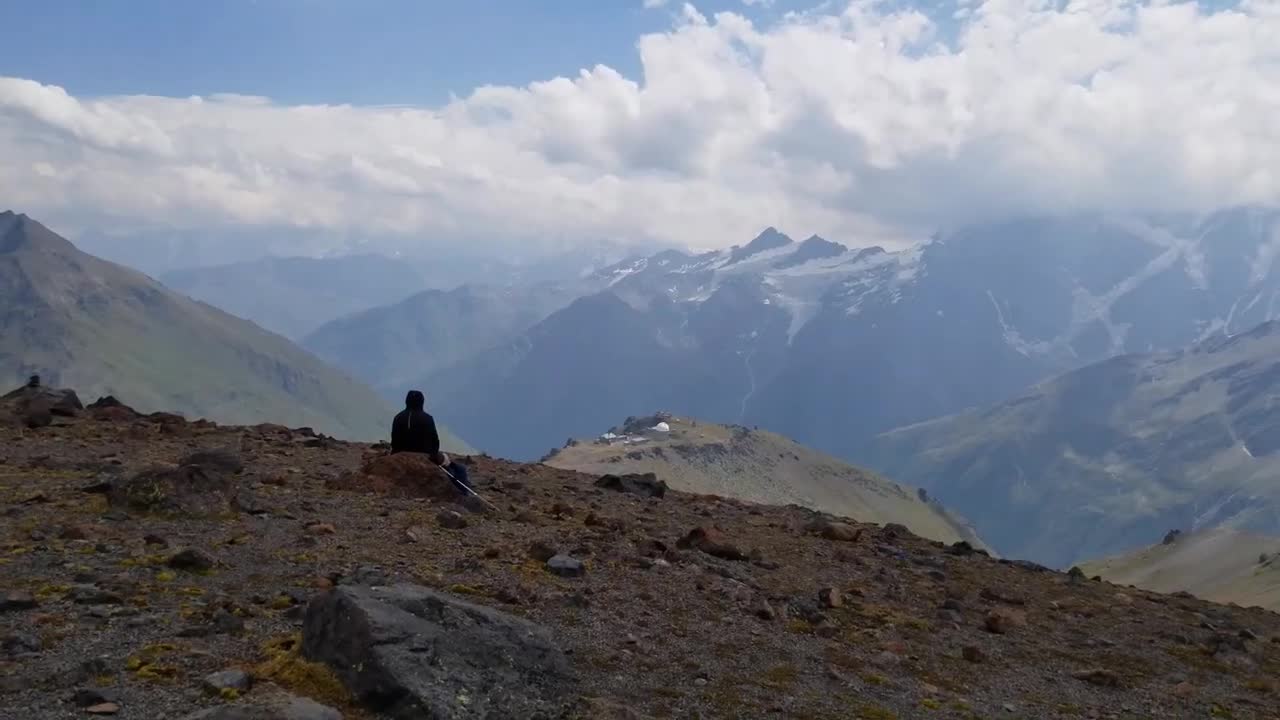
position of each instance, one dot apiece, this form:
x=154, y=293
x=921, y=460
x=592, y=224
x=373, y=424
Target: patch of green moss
x=780, y=677
x=285, y=666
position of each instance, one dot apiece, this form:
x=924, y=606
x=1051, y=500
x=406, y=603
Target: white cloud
x=856, y=124
x=650, y=4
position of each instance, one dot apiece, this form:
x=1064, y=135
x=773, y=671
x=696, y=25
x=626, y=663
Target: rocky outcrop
x=35, y=405
x=405, y=474
x=201, y=485
x=643, y=484
x=409, y=652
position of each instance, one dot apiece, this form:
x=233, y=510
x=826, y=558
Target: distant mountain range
x=293, y=296
x=761, y=467
x=83, y=322
x=401, y=346
x=1111, y=456
x=832, y=345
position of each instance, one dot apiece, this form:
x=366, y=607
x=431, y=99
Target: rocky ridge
x=757, y=466
x=122, y=596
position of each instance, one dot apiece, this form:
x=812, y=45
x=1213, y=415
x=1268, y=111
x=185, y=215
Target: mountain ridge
x=1102, y=459
x=834, y=349
x=757, y=466
x=1218, y=564
x=77, y=320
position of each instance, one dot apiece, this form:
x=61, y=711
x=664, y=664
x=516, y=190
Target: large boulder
x=404, y=474
x=409, y=652
x=643, y=484
x=35, y=404
x=199, y=486
x=108, y=408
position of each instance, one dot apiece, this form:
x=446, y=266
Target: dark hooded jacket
x=413, y=430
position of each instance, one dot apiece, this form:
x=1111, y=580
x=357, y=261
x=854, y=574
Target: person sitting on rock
x=414, y=430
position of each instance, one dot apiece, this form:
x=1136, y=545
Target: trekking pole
x=467, y=489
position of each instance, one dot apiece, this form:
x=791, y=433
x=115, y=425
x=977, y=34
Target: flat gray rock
x=409, y=652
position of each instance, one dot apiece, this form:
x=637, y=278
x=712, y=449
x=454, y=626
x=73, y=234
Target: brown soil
x=881, y=624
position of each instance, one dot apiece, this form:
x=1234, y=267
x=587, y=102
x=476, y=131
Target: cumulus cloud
x=867, y=122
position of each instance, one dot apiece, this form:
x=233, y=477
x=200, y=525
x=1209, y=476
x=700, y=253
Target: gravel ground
x=761, y=616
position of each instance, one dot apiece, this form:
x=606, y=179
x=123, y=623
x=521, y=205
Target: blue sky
x=328, y=51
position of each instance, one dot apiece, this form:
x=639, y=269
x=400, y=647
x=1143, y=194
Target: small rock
x=950, y=616
x=236, y=680
x=87, y=697
x=451, y=520
x=108, y=708
x=1098, y=676
x=964, y=548
x=835, y=531
x=765, y=611
x=830, y=597
x=952, y=604
x=998, y=596
x=92, y=668
x=152, y=539
x=20, y=643
x=98, y=487
x=93, y=595
x=1002, y=620
x=896, y=530
x=191, y=560
x=1184, y=689
x=1248, y=634
x=221, y=460
x=973, y=654
x=73, y=532
x=541, y=551
x=645, y=485
x=224, y=623
x=565, y=566
x=711, y=542
x=17, y=600
x=322, y=529
x=363, y=575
